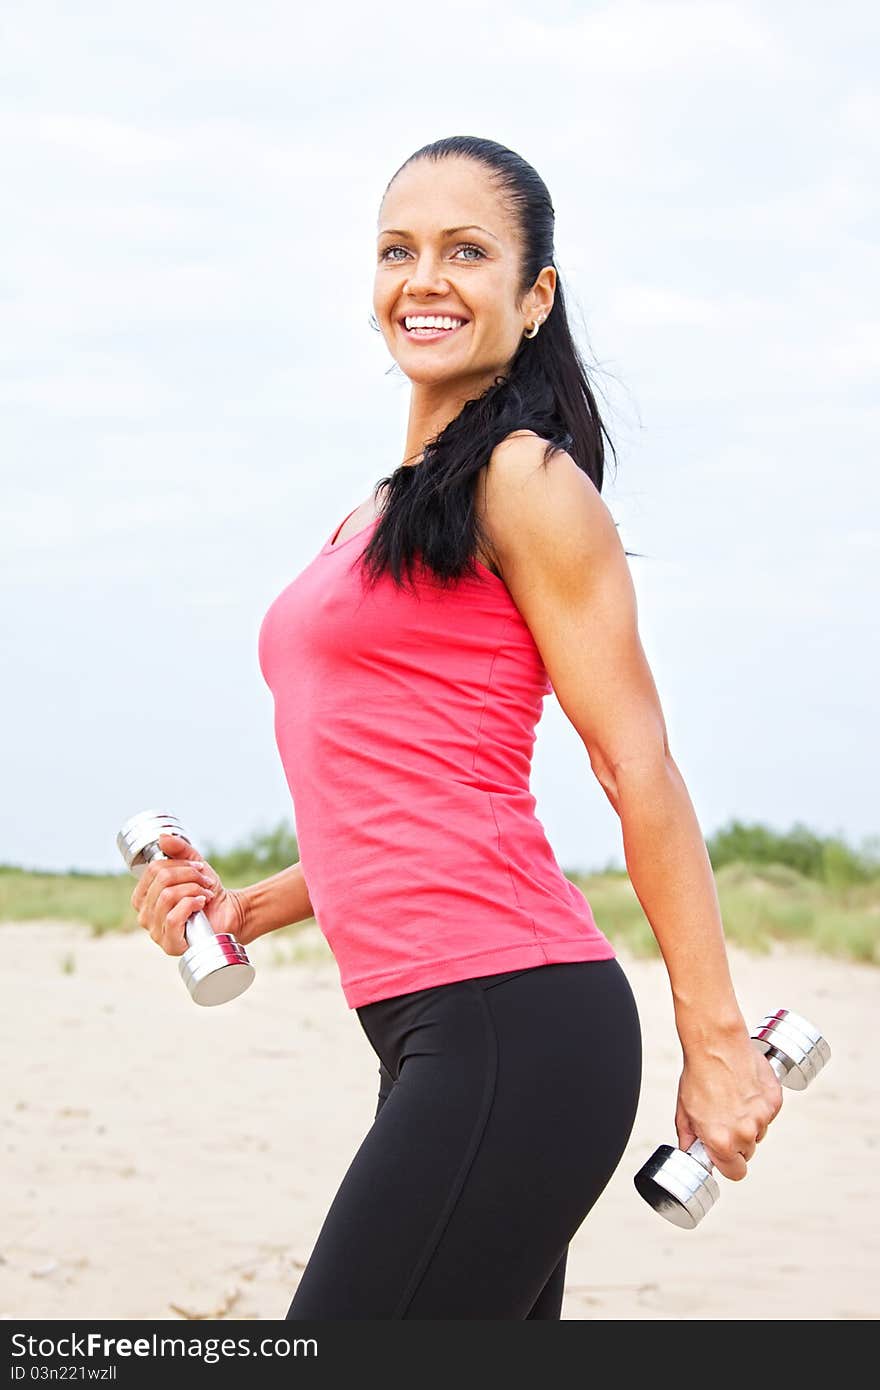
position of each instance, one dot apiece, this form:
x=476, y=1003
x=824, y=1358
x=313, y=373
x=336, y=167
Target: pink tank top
x=405, y=724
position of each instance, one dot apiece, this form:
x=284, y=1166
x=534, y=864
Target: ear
x=541, y=295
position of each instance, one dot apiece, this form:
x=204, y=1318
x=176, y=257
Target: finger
x=732, y=1166
x=175, y=847
x=168, y=876
x=170, y=847
x=744, y=1142
x=686, y=1137
x=174, y=912
x=174, y=940
x=170, y=895
x=142, y=887
x=773, y=1092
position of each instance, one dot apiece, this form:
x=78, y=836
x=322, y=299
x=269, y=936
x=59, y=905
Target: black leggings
x=505, y=1104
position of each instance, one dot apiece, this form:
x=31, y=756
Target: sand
x=165, y=1161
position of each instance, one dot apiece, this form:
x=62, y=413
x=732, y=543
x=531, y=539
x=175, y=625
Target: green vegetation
x=760, y=905
x=793, y=887
x=265, y=853
x=104, y=900
x=828, y=860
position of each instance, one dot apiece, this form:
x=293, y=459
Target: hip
x=554, y=1022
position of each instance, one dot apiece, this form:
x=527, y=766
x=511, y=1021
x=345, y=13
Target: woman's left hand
x=728, y=1094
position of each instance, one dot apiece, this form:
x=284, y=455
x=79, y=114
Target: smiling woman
x=406, y=712
x=408, y=664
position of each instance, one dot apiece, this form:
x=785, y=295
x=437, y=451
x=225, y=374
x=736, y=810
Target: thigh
x=503, y=1109
x=548, y=1304
x=383, y=1222
x=565, y=1096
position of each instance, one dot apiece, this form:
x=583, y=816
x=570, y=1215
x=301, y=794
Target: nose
x=426, y=277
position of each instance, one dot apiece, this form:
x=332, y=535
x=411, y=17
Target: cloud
x=649, y=306
x=192, y=395
x=644, y=38
x=110, y=141
x=94, y=385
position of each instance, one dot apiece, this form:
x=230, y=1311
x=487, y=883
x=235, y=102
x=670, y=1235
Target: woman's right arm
x=274, y=902
x=566, y=570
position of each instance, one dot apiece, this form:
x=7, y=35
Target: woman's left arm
x=566, y=570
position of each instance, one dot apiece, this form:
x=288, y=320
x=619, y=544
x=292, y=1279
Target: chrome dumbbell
x=216, y=966
x=679, y=1184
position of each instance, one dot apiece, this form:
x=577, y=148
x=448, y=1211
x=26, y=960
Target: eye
x=465, y=246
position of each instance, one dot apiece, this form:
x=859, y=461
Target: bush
x=267, y=852
x=827, y=859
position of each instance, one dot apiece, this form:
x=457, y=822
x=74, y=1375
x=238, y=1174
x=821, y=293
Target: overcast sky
x=192, y=396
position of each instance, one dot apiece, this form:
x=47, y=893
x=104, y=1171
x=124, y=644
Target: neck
x=431, y=407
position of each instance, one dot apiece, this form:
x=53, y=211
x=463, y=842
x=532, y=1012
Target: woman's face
x=447, y=246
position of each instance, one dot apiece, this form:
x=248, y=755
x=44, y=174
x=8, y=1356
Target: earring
x=533, y=331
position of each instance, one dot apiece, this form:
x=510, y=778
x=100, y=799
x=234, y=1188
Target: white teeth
x=431, y=321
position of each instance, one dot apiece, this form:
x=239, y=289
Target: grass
x=760, y=904
x=100, y=900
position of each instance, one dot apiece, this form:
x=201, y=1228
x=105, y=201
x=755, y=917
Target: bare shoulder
x=543, y=513
x=567, y=572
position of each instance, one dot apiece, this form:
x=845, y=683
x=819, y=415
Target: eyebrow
x=447, y=231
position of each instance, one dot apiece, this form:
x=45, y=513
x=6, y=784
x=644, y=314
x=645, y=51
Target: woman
x=408, y=674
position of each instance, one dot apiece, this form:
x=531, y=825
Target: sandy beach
x=162, y=1160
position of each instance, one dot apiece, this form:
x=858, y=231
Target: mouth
x=448, y=327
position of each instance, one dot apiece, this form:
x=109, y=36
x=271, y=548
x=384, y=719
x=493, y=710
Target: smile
x=430, y=328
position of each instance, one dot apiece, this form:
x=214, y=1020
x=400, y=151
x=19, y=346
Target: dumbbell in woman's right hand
x=679, y=1184
x=170, y=890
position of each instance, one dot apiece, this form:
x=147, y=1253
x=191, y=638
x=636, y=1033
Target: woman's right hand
x=728, y=1095
x=170, y=890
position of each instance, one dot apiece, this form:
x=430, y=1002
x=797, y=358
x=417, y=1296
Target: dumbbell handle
x=198, y=930
x=697, y=1149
